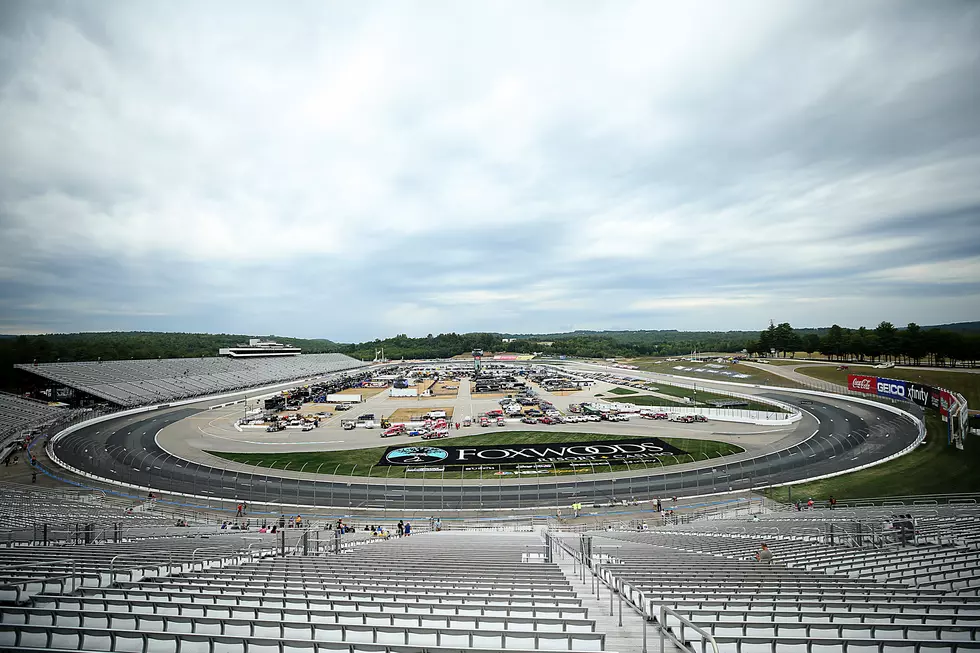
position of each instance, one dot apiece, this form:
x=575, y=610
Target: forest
x=911, y=344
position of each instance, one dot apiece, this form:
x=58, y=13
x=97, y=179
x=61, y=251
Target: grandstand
x=844, y=580
x=139, y=382
x=18, y=415
x=857, y=579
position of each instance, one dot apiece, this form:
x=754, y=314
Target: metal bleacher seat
x=825, y=591
x=138, y=382
x=431, y=592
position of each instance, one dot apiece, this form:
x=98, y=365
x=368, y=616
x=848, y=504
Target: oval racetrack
x=848, y=435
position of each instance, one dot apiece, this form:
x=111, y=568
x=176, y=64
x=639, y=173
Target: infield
x=363, y=462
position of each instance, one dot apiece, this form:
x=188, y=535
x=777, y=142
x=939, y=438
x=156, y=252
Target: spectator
x=438, y=524
x=809, y=503
x=764, y=555
x=408, y=529
x=401, y=528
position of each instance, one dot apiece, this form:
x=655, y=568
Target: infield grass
x=364, y=462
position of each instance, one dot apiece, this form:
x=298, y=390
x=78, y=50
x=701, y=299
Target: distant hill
x=961, y=327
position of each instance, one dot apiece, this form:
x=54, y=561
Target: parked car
x=593, y=418
x=500, y=422
x=529, y=420
x=484, y=422
x=700, y=418
x=546, y=420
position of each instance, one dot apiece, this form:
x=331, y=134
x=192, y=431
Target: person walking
x=401, y=528
x=408, y=529
x=438, y=524
x=239, y=514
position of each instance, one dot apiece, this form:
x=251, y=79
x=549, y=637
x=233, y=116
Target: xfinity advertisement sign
x=919, y=394
x=622, y=450
x=892, y=388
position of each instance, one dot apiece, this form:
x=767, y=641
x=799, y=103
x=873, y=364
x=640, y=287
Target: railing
x=18, y=585
x=666, y=633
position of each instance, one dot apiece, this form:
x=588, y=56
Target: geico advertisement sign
x=506, y=455
x=892, y=388
x=860, y=383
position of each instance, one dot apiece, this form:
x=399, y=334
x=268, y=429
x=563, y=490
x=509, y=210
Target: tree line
x=911, y=345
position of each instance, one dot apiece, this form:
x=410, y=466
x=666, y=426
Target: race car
x=700, y=418
x=529, y=420
x=434, y=435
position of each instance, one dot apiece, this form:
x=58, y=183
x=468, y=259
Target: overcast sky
x=353, y=170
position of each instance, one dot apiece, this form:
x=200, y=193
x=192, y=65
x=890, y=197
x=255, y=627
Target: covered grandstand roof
x=138, y=382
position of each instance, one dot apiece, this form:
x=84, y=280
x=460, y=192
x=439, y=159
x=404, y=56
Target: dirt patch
x=364, y=392
x=440, y=389
x=414, y=413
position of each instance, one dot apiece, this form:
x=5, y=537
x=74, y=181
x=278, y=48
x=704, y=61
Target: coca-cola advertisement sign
x=860, y=383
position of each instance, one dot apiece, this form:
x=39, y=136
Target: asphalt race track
x=848, y=435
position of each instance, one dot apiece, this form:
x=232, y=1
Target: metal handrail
x=666, y=633
x=141, y=554
x=18, y=585
x=227, y=548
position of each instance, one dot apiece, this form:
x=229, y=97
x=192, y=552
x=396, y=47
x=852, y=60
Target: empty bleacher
x=841, y=580
x=431, y=592
x=18, y=414
x=139, y=382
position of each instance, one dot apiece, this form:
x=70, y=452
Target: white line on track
x=814, y=433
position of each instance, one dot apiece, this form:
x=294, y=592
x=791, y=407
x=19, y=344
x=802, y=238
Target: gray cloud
x=352, y=171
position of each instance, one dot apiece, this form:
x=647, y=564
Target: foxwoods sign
x=623, y=450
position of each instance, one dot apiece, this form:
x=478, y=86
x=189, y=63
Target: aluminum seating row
x=306, y=609
x=360, y=640
x=389, y=604
x=132, y=383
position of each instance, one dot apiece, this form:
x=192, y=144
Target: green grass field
x=680, y=393
x=755, y=375
x=622, y=391
x=966, y=383
x=933, y=468
x=363, y=462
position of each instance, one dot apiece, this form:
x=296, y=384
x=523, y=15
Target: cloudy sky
x=352, y=170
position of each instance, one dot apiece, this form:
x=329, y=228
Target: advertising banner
x=893, y=388
x=859, y=383
x=945, y=401
x=919, y=394
x=625, y=450
x=934, y=401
